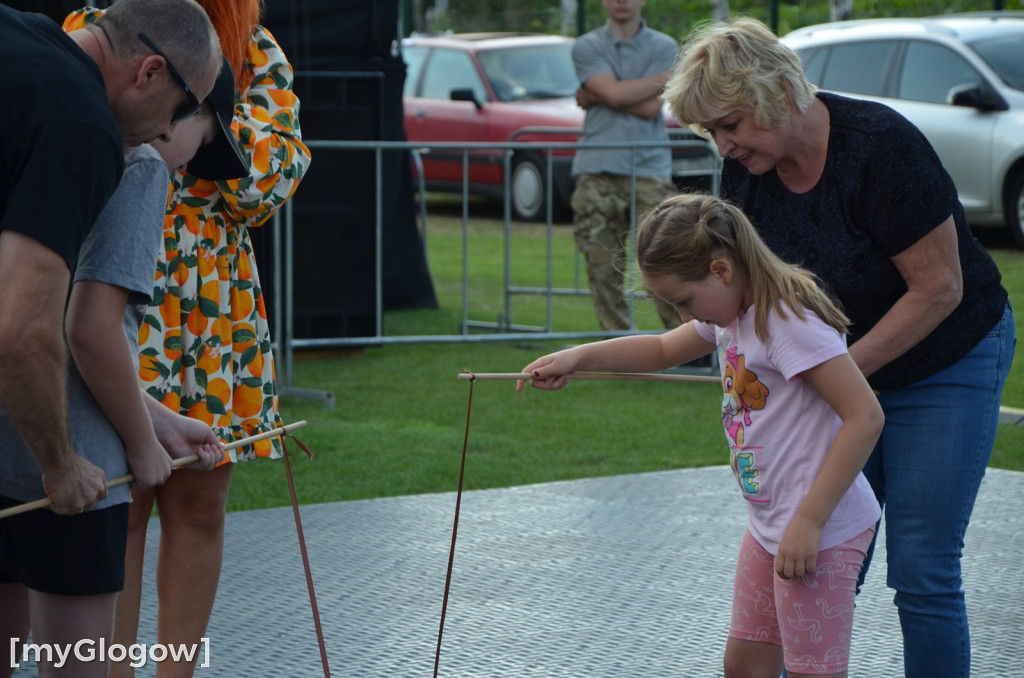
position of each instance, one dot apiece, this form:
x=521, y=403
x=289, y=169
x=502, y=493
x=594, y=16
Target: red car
x=497, y=87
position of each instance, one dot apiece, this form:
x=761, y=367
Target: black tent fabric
x=347, y=37
x=319, y=34
x=349, y=79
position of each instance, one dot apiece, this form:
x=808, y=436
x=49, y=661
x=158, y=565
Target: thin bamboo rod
x=178, y=463
x=633, y=376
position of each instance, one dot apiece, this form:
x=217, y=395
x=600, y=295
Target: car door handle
x=419, y=113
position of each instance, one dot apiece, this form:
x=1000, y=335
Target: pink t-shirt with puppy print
x=778, y=427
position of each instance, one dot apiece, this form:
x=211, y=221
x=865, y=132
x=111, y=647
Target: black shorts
x=65, y=555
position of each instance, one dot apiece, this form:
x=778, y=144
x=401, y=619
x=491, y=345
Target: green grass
x=400, y=414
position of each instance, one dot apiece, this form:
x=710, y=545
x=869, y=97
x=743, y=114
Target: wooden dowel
x=178, y=463
x=634, y=376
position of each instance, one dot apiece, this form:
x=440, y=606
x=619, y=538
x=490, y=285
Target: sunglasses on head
x=186, y=110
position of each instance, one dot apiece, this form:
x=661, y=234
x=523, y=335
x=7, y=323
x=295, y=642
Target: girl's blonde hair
x=683, y=234
x=737, y=66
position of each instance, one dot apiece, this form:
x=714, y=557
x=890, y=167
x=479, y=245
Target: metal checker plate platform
x=609, y=577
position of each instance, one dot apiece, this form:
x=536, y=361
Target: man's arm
x=33, y=287
x=639, y=96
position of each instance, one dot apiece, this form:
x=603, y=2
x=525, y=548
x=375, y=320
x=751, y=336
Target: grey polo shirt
x=647, y=54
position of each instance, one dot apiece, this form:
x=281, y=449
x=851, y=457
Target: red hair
x=234, y=21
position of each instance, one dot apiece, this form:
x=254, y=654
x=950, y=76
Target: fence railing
x=504, y=330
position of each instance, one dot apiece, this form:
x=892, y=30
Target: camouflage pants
x=600, y=207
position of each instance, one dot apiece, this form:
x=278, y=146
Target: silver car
x=959, y=78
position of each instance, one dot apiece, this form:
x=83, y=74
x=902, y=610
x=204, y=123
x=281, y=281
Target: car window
x=413, y=57
x=1005, y=55
x=857, y=67
x=813, y=62
x=930, y=71
x=448, y=69
x=539, y=72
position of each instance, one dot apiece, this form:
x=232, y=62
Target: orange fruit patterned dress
x=205, y=346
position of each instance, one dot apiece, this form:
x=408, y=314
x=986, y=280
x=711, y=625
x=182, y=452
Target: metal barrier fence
x=283, y=242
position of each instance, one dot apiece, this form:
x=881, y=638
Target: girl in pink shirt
x=799, y=417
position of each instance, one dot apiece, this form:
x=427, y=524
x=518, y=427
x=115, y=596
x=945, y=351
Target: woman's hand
x=182, y=437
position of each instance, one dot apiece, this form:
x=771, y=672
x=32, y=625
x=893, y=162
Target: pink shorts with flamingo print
x=812, y=617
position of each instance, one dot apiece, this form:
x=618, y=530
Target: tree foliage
x=678, y=17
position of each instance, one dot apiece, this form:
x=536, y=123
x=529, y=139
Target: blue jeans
x=926, y=471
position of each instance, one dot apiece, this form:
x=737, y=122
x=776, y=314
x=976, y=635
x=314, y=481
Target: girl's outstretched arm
x=840, y=382
x=637, y=353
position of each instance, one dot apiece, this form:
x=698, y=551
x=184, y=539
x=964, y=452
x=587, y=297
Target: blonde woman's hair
x=683, y=234
x=737, y=66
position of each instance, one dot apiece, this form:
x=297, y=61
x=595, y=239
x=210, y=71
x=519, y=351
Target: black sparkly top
x=883, y=188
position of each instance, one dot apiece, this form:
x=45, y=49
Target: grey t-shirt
x=648, y=54
x=121, y=250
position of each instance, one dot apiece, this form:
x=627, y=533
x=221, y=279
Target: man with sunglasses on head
x=76, y=101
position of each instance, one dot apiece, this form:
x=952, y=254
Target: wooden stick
x=635, y=376
x=178, y=463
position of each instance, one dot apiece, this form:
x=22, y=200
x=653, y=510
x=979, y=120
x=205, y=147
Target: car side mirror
x=976, y=96
x=466, y=94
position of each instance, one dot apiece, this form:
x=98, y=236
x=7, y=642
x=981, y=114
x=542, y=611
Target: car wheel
x=1013, y=210
x=528, y=185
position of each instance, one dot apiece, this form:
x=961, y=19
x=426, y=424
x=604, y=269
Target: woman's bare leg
x=192, y=506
